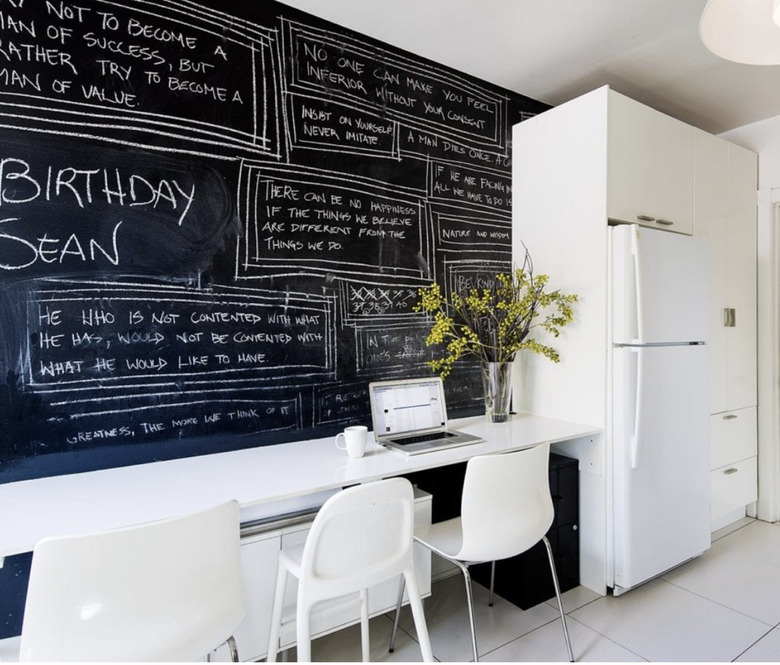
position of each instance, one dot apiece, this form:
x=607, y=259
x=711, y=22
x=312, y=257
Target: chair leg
x=467, y=578
x=231, y=642
x=398, y=604
x=419, y=615
x=276, y=614
x=364, y=638
x=303, y=630
x=558, y=596
x=492, y=582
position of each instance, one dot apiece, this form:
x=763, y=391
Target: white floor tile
x=723, y=606
x=446, y=613
x=741, y=571
x=574, y=598
x=731, y=528
x=546, y=645
x=660, y=622
x=759, y=540
x=766, y=650
x=344, y=645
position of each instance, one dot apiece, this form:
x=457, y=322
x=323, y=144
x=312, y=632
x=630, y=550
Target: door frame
x=768, y=326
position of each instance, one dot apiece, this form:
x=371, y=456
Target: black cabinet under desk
x=524, y=579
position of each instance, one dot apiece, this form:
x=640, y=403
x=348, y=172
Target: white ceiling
x=555, y=50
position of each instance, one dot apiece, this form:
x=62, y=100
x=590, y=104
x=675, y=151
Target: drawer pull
x=664, y=222
x=728, y=472
x=731, y=416
x=645, y=218
x=729, y=317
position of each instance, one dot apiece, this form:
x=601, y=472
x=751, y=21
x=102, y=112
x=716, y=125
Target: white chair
x=361, y=536
x=169, y=590
x=506, y=508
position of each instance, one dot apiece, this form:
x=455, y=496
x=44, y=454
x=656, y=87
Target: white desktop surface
x=112, y=498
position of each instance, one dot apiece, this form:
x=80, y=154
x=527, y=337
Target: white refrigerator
x=659, y=439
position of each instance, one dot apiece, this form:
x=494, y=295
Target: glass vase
x=497, y=384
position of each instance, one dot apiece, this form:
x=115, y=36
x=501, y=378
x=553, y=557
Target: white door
x=661, y=460
x=660, y=286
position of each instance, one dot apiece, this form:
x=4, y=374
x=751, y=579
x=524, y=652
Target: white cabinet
x=650, y=166
x=733, y=479
x=259, y=558
x=742, y=355
x=725, y=214
x=587, y=162
x=733, y=437
x=732, y=486
x=259, y=555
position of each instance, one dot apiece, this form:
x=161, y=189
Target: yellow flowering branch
x=493, y=323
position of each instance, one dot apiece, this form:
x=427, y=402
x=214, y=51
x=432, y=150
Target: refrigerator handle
x=635, y=441
x=637, y=285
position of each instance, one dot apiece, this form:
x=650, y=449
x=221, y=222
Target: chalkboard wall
x=214, y=219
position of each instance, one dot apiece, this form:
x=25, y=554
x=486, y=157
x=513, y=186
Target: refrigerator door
x=660, y=286
x=661, y=479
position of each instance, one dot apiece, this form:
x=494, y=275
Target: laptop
x=410, y=415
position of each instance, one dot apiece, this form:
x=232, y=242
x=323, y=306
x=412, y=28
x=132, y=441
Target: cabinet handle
x=729, y=317
x=645, y=218
x=664, y=222
x=728, y=472
x=731, y=416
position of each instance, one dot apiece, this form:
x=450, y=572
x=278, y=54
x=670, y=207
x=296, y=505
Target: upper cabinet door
x=742, y=332
x=650, y=172
x=712, y=223
x=726, y=181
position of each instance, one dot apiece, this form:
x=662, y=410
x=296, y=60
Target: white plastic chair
x=506, y=508
x=361, y=536
x=169, y=590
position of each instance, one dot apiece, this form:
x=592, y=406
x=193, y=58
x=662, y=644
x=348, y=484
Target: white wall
x=764, y=138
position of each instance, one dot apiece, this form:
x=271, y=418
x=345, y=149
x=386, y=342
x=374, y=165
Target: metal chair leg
x=469, y=596
x=399, y=602
x=231, y=642
x=492, y=582
x=558, y=596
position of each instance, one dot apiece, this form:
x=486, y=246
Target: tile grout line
x=749, y=647
x=718, y=603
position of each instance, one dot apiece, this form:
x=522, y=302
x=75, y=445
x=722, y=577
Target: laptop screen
x=407, y=406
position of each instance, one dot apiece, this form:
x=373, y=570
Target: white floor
x=724, y=606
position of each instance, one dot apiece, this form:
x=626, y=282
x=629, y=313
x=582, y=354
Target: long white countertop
x=263, y=480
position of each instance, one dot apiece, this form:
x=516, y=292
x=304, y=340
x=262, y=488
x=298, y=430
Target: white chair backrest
x=361, y=536
x=162, y=591
x=506, y=506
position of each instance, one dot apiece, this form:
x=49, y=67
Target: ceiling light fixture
x=745, y=31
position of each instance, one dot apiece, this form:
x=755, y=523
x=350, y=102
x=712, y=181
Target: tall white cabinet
x=604, y=159
x=725, y=214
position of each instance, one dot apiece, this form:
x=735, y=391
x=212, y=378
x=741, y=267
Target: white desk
x=271, y=480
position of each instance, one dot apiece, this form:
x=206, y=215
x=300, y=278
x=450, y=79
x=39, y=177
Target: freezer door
x=660, y=286
x=660, y=455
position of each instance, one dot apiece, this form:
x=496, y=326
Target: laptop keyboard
x=419, y=438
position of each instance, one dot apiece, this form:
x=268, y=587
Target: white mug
x=354, y=440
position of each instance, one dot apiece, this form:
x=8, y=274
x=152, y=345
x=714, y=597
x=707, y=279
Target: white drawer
x=733, y=486
x=733, y=436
